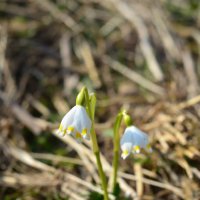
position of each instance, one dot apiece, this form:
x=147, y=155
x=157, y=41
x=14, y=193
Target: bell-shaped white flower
x=133, y=140
x=76, y=123
x=126, y=144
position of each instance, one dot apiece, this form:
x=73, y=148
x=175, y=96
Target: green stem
x=102, y=175
x=116, y=149
x=115, y=168
x=96, y=148
x=100, y=168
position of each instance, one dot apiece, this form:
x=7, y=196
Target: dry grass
x=137, y=54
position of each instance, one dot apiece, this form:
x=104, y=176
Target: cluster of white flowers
x=133, y=140
x=76, y=123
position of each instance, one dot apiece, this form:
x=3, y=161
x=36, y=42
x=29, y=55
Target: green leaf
x=92, y=104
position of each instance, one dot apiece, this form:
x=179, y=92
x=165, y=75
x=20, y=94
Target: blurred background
x=141, y=55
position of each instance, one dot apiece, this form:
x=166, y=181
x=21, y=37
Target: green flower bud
x=80, y=99
x=127, y=119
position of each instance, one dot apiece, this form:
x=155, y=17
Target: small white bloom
x=126, y=144
x=76, y=123
x=133, y=140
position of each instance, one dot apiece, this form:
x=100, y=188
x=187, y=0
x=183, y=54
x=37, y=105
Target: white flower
x=133, y=140
x=76, y=123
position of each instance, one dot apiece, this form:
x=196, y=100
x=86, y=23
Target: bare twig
x=56, y=158
x=161, y=24
x=26, y=158
x=188, y=103
x=59, y=15
x=167, y=186
x=70, y=79
x=33, y=180
x=139, y=176
x=36, y=125
x=129, y=13
x=87, y=57
x=84, y=183
x=3, y=44
x=191, y=73
x=137, y=78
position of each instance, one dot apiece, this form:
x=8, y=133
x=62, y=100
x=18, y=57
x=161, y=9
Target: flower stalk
x=90, y=103
x=116, y=149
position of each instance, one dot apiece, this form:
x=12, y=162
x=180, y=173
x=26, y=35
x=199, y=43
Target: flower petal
x=126, y=149
x=67, y=121
x=86, y=124
x=139, y=137
x=76, y=123
x=136, y=149
x=78, y=136
x=70, y=130
x=126, y=144
x=133, y=140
